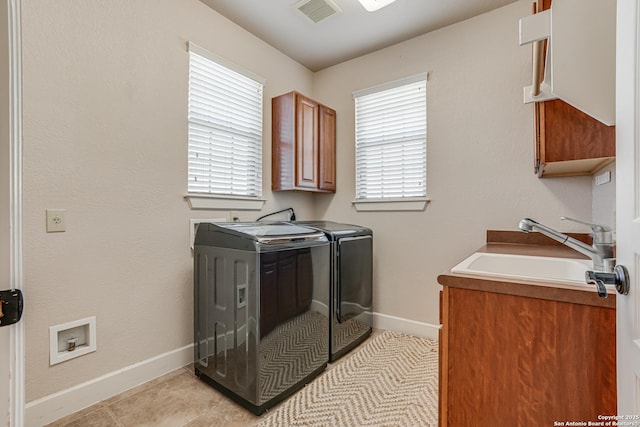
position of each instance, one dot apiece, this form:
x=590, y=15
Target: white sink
x=559, y=271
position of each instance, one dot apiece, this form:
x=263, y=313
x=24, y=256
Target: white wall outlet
x=193, y=227
x=56, y=221
x=603, y=178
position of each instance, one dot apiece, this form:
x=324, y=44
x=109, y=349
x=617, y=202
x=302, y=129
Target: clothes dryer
x=351, y=284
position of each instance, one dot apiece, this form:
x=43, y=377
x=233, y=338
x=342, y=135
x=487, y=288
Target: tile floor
x=173, y=400
x=178, y=399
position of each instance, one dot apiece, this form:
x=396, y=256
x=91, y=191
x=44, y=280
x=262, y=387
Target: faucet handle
x=601, y=233
x=619, y=277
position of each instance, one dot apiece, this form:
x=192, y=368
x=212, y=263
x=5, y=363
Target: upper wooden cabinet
x=569, y=142
x=327, y=147
x=303, y=144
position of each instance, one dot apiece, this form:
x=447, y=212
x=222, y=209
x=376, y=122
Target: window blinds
x=225, y=127
x=391, y=140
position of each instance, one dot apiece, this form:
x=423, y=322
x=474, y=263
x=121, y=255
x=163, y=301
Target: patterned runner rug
x=392, y=380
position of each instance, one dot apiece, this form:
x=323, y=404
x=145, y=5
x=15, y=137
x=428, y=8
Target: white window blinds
x=391, y=140
x=225, y=127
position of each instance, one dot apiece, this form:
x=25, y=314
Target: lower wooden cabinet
x=510, y=360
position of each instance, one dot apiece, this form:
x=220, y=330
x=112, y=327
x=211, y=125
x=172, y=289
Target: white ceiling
x=349, y=34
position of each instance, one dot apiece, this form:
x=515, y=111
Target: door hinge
x=11, y=305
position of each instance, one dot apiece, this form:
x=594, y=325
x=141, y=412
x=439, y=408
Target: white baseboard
x=398, y=324
x=57, y=405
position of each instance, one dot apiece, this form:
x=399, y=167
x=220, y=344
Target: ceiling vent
x=317, y=10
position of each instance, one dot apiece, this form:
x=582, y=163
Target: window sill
x=387, y=205
x=201, y=201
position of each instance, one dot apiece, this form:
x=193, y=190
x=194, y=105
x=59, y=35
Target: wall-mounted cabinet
x=303, y=145
x=569, y=142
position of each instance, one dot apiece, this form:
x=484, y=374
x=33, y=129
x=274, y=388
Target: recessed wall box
x=72, y=339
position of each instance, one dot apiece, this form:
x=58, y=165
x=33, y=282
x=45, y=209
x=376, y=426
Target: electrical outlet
x=56, y=220
x=603, y=178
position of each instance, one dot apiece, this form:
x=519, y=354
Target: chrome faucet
x=601, y=250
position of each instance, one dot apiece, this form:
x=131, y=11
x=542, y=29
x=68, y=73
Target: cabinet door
x=306, y=143
x=327, y=138
x=520, y=361
x=570, y=134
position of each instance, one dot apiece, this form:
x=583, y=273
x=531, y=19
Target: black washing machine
x=261, y=325
x=351, y=272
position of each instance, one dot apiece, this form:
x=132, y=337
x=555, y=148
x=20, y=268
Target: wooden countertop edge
x=510, y=242
x=526, y=289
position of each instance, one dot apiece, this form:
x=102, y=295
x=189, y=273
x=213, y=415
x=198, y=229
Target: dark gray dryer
x=351, y=284
x=261, y=316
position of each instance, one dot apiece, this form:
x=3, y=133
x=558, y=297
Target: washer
x=351, y=274
x=261, y=295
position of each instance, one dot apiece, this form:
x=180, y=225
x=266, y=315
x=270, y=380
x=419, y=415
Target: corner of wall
x=603, y=207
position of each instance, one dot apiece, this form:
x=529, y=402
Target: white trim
x=391, y=85
x=201, y=201
x=381, y=205
x=407, y=326
x=198, y=50
x=535, y=27
x=16, y=272
x=57, y=405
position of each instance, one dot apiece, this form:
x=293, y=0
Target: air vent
x=317, y=10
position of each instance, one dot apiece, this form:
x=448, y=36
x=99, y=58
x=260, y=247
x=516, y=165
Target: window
x=225, y=127
x=391, y=141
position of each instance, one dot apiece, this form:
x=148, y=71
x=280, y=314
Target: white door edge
x=628, y=208
x=16, y=276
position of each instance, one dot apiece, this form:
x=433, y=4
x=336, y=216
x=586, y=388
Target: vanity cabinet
x=567, y=141
x=303, y=144
x=514, y=360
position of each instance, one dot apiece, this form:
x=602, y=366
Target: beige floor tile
x=91, y=417
x=170, y=403
x=173, y=400
x=142, y=387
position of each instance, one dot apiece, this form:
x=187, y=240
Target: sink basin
x=567, y=271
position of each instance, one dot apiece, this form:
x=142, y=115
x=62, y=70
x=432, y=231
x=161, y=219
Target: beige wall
x=105, y=101
x=479, y=155
x=604, y=198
